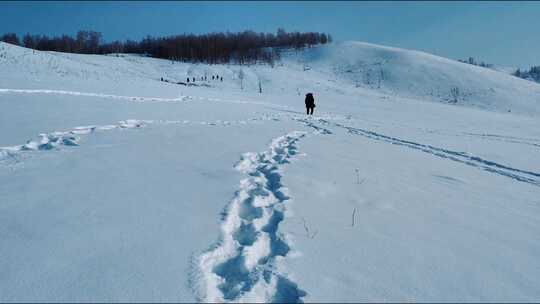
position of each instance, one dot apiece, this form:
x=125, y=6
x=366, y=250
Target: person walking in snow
x=310, y=103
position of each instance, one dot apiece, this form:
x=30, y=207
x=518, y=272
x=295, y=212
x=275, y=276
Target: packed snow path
x=184, y=98
x=86, y=94
x=244, y=265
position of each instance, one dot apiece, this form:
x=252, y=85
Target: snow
x=424, y=229
x=116, y=186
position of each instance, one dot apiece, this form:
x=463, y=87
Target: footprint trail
x=58, y=139
x=245, y=264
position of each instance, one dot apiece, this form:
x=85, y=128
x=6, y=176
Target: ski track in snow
x=75, y=93
x=244, y=266
x=509, y=139
x=184, y=98
x=530, y=177
x=59, y=139
x=309, y=123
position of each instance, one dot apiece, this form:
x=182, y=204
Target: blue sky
x=505, y=33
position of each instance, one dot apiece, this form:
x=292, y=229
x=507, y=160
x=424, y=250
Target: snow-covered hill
x=424, y=76
x=348, y=67
x=412, y=181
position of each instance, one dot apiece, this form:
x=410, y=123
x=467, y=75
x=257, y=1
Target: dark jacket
x=310, y=101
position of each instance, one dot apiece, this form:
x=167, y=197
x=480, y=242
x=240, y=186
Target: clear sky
x=505, y=33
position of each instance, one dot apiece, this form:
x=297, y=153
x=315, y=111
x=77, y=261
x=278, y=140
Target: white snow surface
x=118, y=187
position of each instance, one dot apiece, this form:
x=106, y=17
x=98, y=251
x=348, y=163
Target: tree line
x=532, y=74
x=472, y=61
x=242, y=47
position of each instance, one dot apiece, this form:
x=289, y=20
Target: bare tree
x=11, y=38
x=245, y=47
x=455, y=94
x=241, y=77
x=29, y=41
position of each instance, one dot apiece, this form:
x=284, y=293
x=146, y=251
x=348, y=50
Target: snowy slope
x=116, y=186
x=504, y=69
x=343, y=68
x=424, y=76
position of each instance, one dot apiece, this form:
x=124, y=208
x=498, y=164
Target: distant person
x=193, y=79
x=212, y=77
x=310, y=103
x=188, y=79
x=221, y=78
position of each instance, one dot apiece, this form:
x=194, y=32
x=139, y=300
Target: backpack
x=310, y=100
